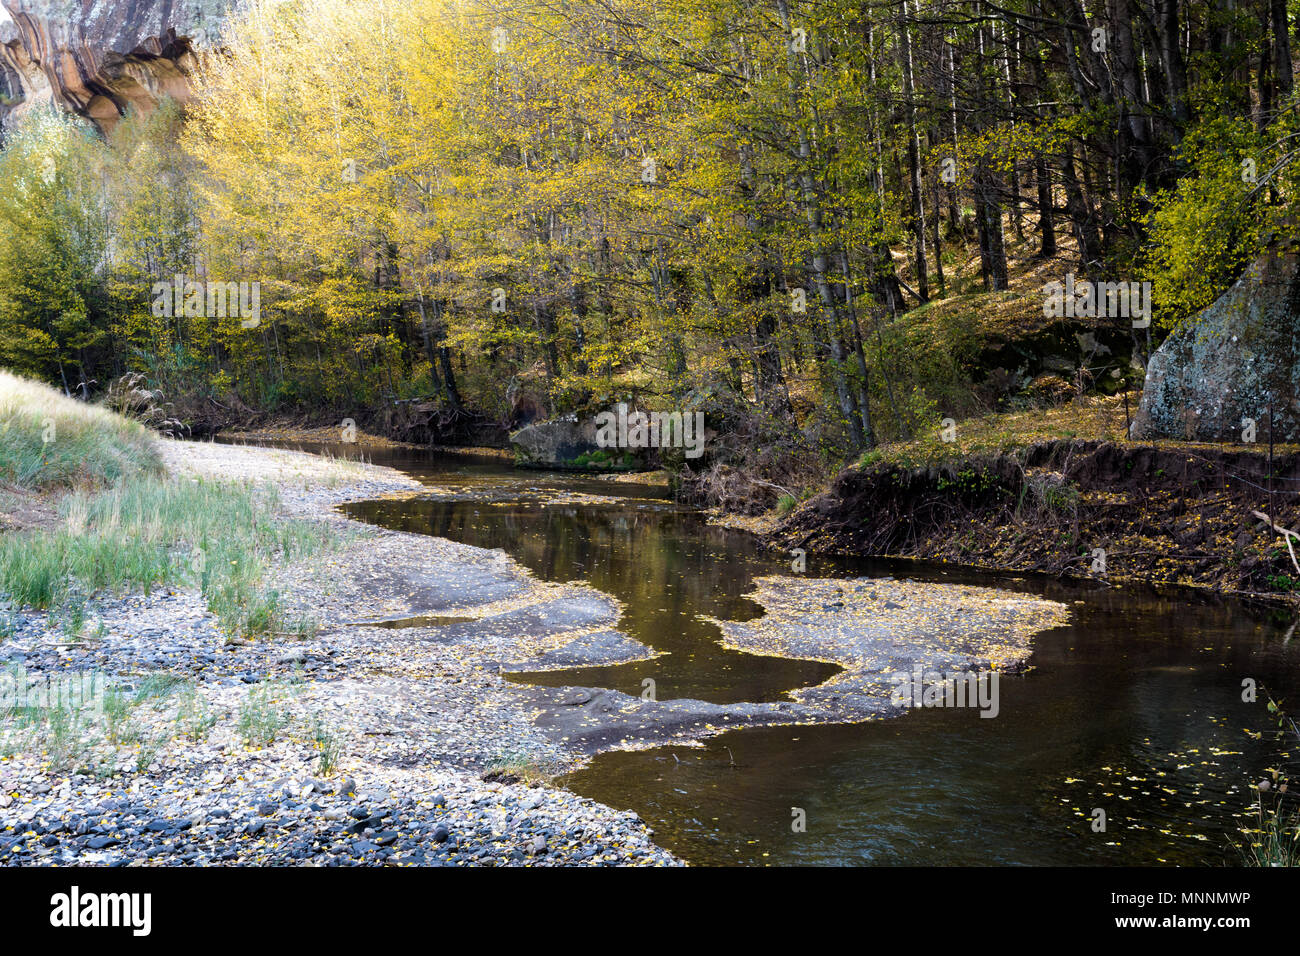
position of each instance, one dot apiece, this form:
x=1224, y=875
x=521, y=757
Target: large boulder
x=570, y=444
x=554, y=444
x=1232, y=361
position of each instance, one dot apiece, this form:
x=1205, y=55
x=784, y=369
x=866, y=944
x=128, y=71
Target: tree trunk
x=1046, y=226
x=1283, y=72
x=913, y=151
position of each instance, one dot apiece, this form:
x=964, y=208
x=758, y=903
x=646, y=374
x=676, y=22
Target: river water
x=1134, y=709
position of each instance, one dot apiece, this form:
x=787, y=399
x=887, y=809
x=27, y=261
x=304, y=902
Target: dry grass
x=50, y=441
x=1092, y=418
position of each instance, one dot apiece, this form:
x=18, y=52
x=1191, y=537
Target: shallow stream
x=1135, y=708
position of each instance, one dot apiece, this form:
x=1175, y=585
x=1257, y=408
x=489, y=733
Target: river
x=1134, y=709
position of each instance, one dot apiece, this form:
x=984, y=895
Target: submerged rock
x=885, y=636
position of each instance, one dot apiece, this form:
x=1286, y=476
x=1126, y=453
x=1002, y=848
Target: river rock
x=555, y=443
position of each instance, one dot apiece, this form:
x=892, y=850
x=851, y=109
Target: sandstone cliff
x=97, y=58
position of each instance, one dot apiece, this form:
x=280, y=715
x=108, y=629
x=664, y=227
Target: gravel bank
x=362, y=743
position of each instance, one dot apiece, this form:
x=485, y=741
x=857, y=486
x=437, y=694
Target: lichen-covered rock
x=1224, y=368
x=556, y=443
x=97, y=59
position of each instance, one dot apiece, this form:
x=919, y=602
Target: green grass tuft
x=219, y=536
x=50, y=441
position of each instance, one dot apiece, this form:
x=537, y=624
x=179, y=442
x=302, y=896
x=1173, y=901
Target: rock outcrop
x=99, y=58
x=554, y=444
x=1226, y=366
